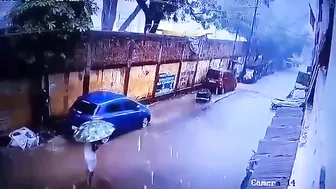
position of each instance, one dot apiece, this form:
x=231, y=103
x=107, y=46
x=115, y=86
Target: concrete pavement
x=195, y=148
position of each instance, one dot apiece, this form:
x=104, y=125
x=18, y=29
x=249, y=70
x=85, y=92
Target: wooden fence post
x=157, y=71
x=179, y=69
x=129, y=65
x=87, y=70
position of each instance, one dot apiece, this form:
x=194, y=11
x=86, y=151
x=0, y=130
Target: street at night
x=187, y=145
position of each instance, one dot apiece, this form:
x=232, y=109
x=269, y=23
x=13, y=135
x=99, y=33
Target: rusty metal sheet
x=167, y=78
x=202, y=69
x=4, y=121
x=75, y=88
x=224, y=64
x=64, y=90
x=15, y=103
x=172, y=50
x=108, y=80
x=145, y=51
x=57, y=92
x=215, y=64
x=186, y=75
x=141, y=82
x=110, y=51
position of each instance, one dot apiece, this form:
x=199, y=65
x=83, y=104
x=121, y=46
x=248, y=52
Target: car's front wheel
x=145, y=122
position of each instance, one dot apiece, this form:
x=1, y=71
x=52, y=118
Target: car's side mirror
x=137, y=107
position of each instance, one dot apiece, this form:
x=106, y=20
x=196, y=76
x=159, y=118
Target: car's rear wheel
x=145, y=122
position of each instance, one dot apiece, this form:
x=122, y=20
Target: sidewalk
x=307, y=166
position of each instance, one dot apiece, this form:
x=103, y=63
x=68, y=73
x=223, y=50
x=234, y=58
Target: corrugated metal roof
x=285, y=133
x=286, y=121
x=276, y=152
x=274, y=167
x=277, y=147
x=292, y=112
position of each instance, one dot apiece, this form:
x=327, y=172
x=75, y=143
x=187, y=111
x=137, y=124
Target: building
x=322, y=91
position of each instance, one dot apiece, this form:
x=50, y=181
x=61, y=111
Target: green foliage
x=45, y=28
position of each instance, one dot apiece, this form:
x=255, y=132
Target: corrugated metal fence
x=143, y=67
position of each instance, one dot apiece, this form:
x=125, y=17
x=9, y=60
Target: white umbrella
x=93, y=130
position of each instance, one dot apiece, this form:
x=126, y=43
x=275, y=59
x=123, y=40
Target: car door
x=134, y=118
x=115, y=114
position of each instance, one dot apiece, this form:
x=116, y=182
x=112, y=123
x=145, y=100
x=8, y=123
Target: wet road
x=203, y=148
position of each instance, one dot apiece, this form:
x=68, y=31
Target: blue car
x=125, y=113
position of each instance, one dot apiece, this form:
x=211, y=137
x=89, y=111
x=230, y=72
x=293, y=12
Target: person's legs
x=91, y=167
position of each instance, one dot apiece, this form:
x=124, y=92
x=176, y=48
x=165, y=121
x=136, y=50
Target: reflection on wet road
x=208, y=148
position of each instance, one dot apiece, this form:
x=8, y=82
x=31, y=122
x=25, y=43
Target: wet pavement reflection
x=206, y=148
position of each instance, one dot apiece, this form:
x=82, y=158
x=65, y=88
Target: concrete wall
x=328, y=117
x=324, y=103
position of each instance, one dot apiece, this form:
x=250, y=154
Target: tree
x=130, y=18
x=158, y=10
x=109, y=14
x=46, y=31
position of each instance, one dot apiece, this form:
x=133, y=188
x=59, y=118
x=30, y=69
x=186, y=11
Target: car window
x=129, y=104
x=113, y=107
x=213, y=74
x=84, y=107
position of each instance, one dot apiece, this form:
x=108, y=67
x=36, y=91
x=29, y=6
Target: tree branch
x=142, y=4
x=129, y=20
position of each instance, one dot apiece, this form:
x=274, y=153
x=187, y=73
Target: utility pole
x=249, y=41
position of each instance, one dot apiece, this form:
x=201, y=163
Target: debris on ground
x=23, y=138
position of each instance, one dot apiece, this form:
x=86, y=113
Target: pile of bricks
x=277, y=150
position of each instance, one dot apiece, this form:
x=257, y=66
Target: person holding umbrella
x=91, y=133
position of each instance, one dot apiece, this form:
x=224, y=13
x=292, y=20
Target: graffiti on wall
x=187, y=75
x=202, y=69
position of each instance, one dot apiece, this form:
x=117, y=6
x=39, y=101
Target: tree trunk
x=148, y=23
x=155, y=26
x=129, y=20
x=109, y=14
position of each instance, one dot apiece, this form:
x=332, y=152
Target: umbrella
x=93, y=130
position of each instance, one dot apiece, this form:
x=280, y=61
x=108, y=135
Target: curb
x=224, y=96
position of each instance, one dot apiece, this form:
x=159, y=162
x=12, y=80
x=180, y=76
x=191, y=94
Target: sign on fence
x=165, y=84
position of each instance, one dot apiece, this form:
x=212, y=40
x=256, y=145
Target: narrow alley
x=186, y=146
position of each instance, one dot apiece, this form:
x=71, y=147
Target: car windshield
x=84, y=107
x=213, y=74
